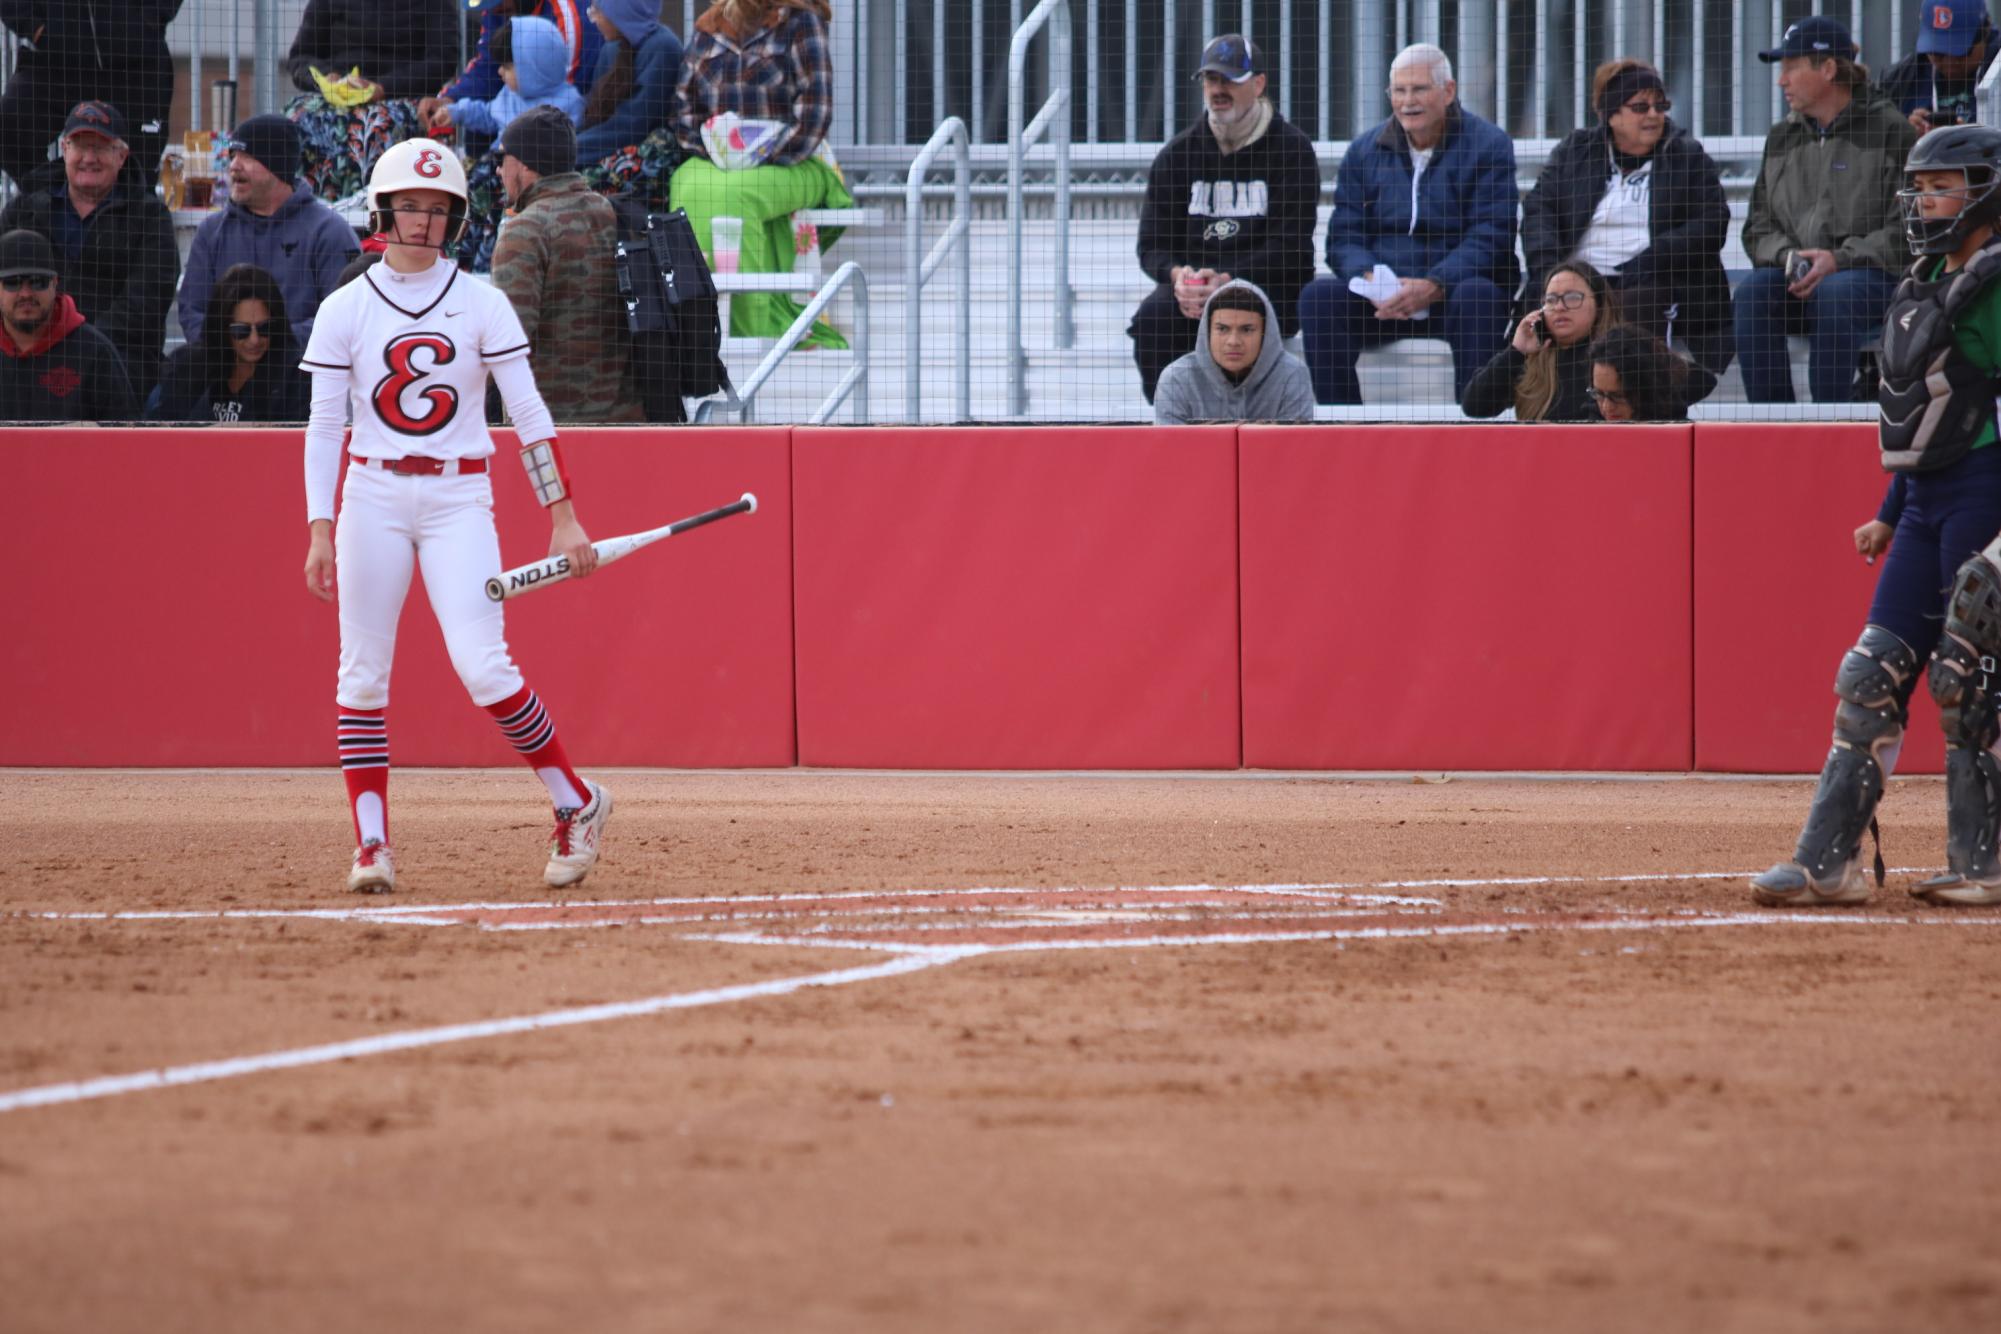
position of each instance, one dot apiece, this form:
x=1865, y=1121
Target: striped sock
x=529, y=728
x=364, y=762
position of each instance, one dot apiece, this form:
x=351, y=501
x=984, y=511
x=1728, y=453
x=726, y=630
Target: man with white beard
x=1231, y=196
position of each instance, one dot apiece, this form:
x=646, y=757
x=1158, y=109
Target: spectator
x=1635, y=377
x=529, y=52
x=272, y=221
x=1239, y=370
x=534, y=67
x=555, y=262
x=1544, y=374
x=762, y=60
x=1823, y=229
x=114, y=239
x=1934, y=85
x=1430, y=195
x=480, y=80
x=360, y=66
x=1231, y=196
x=1637, y=198
x=246, y=366
x=633, y=91
x=53, y=365
x=77, y=51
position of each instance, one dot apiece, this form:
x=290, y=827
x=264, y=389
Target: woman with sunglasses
x=1544, y=372
x=246, y=366
x=1637, y=198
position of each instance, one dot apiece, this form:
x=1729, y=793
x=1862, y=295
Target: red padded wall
x=1780, y=594
x=1017, y=597
x=158, y=615
x=1477, y=597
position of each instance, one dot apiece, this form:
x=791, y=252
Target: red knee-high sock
x=364, y=763
x=529, y=728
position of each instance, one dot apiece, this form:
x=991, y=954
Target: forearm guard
x=544, y=462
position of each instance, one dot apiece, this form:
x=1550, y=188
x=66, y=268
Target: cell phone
x=1798, y=269
x=1940, y=117
x=1542, y=333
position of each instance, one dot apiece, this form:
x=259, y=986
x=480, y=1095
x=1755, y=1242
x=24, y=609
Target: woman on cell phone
x=1544, y=373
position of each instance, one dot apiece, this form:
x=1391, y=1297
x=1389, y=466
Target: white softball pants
x=390, y=524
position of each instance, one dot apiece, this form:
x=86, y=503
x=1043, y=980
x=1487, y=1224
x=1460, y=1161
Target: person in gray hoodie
x=273, y=221
x=1239, y=370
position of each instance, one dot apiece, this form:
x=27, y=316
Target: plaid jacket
x=780, y=72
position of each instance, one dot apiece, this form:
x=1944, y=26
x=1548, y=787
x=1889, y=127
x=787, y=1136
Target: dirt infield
x=921, y=1053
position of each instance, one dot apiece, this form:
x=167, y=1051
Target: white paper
x=1379, y=285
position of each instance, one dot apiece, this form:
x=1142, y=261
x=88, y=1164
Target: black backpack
x=670, y=310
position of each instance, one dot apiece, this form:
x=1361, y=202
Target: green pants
x=765, y=198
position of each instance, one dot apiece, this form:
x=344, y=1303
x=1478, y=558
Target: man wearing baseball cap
x=555, y=260
x=1824, y=231
x=1231, y=196
x=114, y=239
x=53, y=365
x=273, y=221
x=1934, y=85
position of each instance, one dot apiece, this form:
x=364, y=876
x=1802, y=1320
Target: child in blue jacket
x=534, y=63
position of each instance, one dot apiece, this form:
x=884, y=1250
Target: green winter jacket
x=1836, y=191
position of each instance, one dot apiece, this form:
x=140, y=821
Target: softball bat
x=553, y=570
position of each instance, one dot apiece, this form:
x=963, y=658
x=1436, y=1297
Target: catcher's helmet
x=1972, y=149
x=417, y=164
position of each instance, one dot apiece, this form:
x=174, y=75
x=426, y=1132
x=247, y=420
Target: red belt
x=418, y=465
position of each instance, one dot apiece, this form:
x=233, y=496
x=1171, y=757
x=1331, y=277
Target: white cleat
x=577, y=840
x=374, y=869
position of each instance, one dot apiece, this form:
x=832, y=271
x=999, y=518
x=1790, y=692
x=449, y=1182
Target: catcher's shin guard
x=1963, y=681
x=1874, y=686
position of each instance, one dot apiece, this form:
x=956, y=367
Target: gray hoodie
x=304, y=245
x=1194, y=388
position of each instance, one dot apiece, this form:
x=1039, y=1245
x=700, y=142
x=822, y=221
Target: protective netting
x=985, y=210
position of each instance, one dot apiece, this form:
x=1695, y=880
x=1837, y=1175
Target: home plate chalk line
x=915, y=928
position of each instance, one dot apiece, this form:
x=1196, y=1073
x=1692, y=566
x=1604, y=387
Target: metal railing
x=918, y=268
x=1054, y=120
x=855, y=380
x=1525, y=64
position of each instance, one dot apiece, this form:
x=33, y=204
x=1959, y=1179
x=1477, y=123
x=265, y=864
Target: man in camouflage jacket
x=554, y=259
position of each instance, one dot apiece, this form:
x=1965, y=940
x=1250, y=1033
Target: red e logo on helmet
x=428, y=163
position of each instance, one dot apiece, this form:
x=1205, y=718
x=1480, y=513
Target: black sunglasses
x=261, y=329
x=34, y=282
x=1642, y=107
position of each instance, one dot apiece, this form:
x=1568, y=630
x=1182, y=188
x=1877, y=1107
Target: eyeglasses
x=261, y=329
x=1642, y=107
x=1612, y=396
x=1567, y=300
x=34, y=282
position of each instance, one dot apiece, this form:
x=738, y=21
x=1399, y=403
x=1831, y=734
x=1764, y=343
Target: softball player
x=408, y=347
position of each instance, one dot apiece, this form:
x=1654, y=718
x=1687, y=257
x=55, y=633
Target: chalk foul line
x=48, y=1095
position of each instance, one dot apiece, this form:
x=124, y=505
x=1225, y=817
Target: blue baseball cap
x=1817, y=36
x=1232, y=56
x=1950, y=28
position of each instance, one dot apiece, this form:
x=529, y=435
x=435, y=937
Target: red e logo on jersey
x=428, y=163
x=443, y=400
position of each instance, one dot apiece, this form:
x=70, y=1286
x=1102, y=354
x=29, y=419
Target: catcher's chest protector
x=1934, y=401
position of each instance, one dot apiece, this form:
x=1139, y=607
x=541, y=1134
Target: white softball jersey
x=408, y=356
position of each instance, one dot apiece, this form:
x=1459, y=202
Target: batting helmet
x=1974, y=150
x=417, y=164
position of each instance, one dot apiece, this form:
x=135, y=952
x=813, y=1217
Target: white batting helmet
x=417, y=164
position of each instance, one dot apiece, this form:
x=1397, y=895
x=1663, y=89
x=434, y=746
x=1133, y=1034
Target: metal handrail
x=1053, y=119
x=857, y=377
x=920, y=267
